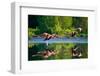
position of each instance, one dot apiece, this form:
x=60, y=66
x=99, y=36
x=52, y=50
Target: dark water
x=59, y=40
x=62, y=50
x=61, y=46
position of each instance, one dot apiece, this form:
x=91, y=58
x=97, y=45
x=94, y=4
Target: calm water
x=61, y=50
x=59, y=40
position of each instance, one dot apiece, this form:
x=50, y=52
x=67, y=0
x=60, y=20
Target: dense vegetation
x=60, y=25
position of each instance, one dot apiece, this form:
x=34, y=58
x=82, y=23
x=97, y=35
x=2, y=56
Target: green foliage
x=45, y=23
x=61, y=25
x=84, y=24
x=66, y=22
x=81, y=22
x=32, y=32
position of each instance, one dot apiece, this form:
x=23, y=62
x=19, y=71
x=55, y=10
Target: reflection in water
x=52, y=51
x=47, y=43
